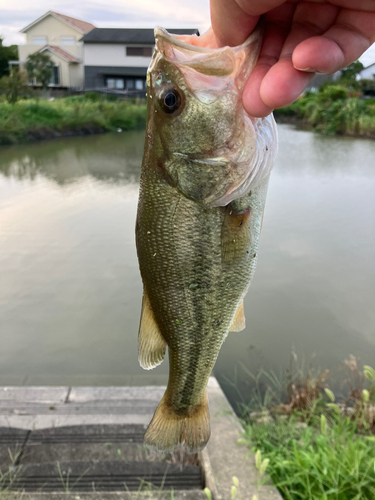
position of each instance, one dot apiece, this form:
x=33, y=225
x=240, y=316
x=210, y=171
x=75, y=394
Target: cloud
x=118, y=13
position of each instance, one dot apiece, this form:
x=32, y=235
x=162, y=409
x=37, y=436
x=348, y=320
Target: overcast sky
x=16, y=14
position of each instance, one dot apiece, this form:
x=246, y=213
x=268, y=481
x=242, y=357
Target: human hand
x=300, y=38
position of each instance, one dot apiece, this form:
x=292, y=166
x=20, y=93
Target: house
x=367, y=73
x=117, y=59
x=60, y=36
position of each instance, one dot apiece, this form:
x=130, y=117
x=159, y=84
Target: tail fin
x=168, y=430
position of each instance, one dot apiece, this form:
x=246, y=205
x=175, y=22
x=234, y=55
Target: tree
x=349, y=74
x=7, y=53
x=15, y=85
x=40, y=67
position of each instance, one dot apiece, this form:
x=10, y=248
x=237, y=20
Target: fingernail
x=307, y=70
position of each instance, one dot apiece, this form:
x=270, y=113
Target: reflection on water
x=70, y=290
x=108, y=158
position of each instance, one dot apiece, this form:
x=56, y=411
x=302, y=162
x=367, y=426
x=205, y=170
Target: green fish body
x=202, y=193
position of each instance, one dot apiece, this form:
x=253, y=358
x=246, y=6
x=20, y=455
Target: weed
x=34, y=118
x=319, y=449
x=334, y=110
x=64, y=478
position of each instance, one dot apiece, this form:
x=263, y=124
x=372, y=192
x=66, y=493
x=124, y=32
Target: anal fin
x=239, y=322
x=151, y=343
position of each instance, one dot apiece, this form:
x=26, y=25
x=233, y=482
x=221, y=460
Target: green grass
x=314, y=449
x=311, y=463
x=37, y=118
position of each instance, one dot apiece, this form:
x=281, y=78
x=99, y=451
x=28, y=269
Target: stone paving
x=86, y=443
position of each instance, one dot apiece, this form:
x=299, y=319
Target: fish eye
x=170, y=100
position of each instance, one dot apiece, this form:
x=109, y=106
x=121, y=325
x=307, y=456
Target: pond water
x=70, y=290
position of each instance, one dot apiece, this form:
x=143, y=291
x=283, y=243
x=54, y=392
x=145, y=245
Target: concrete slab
x=225, y=458
x=35, y=422
x=45, y=395
x=32, y=408
x=11, y=443
x=177, y=495
x=104, y=394
x=92, y=380
x=89, y=434
x=103, y=407
x=107, y=476
x=99, y=443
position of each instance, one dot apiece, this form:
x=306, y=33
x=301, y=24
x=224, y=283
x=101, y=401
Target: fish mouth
x=202, y=55
x=205, y=43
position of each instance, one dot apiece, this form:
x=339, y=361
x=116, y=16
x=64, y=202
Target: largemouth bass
x=202, y=193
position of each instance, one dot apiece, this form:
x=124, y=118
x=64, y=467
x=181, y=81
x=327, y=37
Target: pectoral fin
x=239, y=322
x=151, y=343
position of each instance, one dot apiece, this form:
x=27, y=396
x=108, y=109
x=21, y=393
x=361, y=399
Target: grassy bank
x=313, y=448
x=333, y=110
x=30, y=120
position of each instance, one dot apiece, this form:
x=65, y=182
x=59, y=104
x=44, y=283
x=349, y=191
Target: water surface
x=70, y=290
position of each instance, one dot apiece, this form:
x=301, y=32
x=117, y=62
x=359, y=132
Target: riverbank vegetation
x=333, y=109
x=34, y=119
x=313, y=447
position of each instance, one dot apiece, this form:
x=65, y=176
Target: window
x=67, y=40
x=139, y=84
x=40, y=40
x=115, y=83
x=139, y=51
x=130, y=84
x=55, y=77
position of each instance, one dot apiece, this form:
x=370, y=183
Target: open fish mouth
x=246, y=155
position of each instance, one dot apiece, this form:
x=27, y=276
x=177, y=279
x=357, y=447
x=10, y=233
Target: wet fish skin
x=197, y=241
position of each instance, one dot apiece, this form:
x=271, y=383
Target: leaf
x=258, y=459
x=264, y=466
x=334, y=407
x=366, y=395
x=323, y=425
x=235, y=481
x=369, y=373
x=330, y=394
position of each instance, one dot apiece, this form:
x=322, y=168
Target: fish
x=203, y=188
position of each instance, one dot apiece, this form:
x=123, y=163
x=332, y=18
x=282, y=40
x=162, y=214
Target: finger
x=309, y=20
x=368, y=5
x=283, y=84
x=277, y=26
x=234, y=20
x=352, y=34
x=230, y=24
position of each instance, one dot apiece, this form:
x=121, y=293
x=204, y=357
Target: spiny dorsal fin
x=239, y=322
x=151, y=343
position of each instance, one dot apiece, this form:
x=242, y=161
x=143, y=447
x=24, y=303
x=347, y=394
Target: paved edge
x=177, y=495
x=226, y=458
x=222, y=459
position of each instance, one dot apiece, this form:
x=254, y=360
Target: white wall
x=368, y=73
x=112, y=54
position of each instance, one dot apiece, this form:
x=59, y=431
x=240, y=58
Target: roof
x=129, y=35
x=81, y=26
x=61, y=52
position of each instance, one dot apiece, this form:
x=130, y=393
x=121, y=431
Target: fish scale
x=197, y=227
